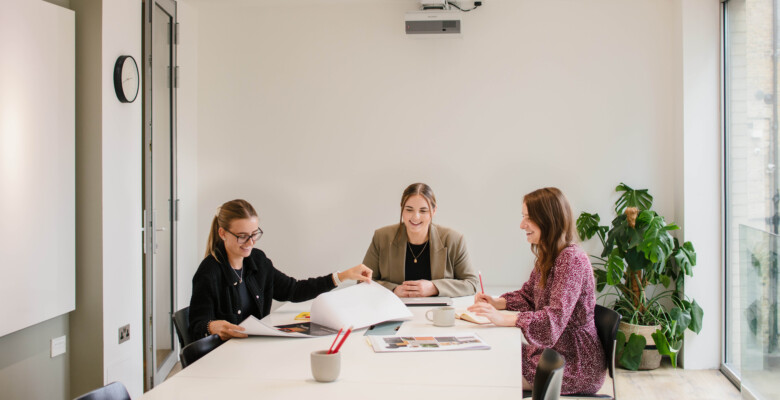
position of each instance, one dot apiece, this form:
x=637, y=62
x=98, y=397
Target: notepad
x=471, y=317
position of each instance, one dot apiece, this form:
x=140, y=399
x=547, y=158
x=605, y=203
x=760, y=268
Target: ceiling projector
x=433, y=22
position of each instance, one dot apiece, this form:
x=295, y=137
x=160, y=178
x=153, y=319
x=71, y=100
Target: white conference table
x=276, y=367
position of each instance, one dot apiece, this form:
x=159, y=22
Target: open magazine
x=358, y=306
x=404, y=344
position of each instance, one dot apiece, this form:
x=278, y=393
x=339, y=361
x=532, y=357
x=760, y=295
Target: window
x=752, y=192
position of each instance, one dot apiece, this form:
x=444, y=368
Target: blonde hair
x=226, y=213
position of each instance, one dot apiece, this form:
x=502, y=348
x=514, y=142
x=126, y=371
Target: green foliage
x=632, y=198
x=629, y=353
x=635, y=257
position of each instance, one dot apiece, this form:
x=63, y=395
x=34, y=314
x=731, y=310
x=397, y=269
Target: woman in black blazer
x=236, y=280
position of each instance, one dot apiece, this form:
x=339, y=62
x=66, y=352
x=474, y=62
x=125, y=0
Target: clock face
x=126, y=82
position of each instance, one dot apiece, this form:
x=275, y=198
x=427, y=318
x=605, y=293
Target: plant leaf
x=632, y=353
x=587, y=225
x=663, y=346
x=614, y=267
x=632, y=198
x=697, y=315
x=601, y=279
x=657, y=244
x=681, y=319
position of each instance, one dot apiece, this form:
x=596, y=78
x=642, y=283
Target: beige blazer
x=451, y=270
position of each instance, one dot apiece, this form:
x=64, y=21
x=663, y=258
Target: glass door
x=160, y=344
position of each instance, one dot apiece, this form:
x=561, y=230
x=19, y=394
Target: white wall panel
x=37, y=163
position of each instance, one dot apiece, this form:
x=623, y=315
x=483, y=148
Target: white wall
x=320, y=113
x=702, y=174
x=37, y=163
x=190, y=250
x=122, y=142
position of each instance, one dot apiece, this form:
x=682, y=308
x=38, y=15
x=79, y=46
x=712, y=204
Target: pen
x=334, y=341
x=346, y=335
x=480, y=282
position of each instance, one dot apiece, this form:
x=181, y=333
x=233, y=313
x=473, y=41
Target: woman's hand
x=421, y=288
x=485, y=309
x=226, y=330
x=357, y=273
x=498, y=303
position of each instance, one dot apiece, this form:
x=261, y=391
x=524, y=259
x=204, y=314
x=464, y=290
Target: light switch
x=57, y=346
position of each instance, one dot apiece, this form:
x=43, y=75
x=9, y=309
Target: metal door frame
x=151, y=376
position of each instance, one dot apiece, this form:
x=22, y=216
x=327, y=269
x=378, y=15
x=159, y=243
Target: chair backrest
x=199, y=348
x=549, y=375
x=181, y=320
x=112, y=391
x=607, y=322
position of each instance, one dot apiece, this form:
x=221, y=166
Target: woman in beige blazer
x=417, y=258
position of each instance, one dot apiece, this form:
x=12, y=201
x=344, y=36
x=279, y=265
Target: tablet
x=426, y=301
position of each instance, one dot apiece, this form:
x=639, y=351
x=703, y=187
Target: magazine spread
x=404, y=344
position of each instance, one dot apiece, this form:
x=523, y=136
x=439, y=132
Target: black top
x=214, y=297
x=422, y=268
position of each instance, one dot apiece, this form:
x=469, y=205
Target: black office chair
x=181, y=320
x=549, y=376
x=199, y=348
x=607, y=322
x=112, y=391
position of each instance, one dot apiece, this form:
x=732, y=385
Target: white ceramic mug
x=325, y=367
x=442, y=316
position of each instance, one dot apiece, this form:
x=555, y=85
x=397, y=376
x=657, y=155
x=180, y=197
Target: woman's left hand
x=357, y=273
x=496, y=317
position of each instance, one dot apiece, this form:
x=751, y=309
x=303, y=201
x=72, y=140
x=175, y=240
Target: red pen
x=480, y=282
x=346, y=335
x=334, y=341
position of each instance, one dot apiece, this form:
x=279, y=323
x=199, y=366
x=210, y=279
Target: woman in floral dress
x=556, y=303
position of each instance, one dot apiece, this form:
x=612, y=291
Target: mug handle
x=427, y=317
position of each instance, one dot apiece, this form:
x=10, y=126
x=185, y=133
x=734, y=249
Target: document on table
x=405, y=344
x=261, y=327
x=359, y=305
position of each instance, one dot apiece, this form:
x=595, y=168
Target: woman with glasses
x=236, y=280
x=417, y=258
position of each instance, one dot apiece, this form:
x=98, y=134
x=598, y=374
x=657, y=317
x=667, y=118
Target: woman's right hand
x=226, y=330
x=498, y=304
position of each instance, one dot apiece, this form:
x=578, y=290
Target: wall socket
x=57, y=346
x=124, y=333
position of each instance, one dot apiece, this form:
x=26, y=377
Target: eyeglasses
x=244, y=238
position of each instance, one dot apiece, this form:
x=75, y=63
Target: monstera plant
x=640, y=271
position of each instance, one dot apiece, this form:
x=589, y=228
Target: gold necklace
x=421, y=251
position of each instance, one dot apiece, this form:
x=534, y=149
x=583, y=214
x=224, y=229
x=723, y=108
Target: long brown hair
x=549, y=209
x=234, y=209
x=423, y=190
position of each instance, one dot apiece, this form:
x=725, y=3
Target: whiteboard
x=37, y=163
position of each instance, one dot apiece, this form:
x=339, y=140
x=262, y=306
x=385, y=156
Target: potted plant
x=641, y=270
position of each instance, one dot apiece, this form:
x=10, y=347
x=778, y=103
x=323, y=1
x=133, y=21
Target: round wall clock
x=126, y=82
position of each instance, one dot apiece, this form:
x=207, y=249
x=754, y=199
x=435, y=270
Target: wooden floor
x=662, y=383
x=669, y=383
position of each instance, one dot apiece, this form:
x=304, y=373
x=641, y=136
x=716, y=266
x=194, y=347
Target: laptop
x=427, y=301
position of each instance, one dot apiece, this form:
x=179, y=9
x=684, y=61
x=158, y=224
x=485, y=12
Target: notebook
x=426, y=301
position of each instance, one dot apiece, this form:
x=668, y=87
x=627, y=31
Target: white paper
x=255, y=326
x=359, y=305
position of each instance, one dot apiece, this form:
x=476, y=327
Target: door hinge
x=176, y=78
x=176, y=33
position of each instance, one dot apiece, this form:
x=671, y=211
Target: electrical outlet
x=124, y=333
x=57, y=346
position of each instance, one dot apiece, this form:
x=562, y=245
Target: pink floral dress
x=560, y=316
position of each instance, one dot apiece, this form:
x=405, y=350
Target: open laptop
x=427, y=301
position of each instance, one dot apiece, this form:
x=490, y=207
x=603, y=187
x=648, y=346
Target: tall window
x=751, y=56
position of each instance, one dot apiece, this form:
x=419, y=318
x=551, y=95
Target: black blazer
x=214, y=297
